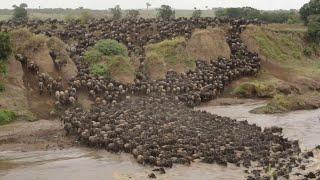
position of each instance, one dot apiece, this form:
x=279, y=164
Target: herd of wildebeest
x=154, y=120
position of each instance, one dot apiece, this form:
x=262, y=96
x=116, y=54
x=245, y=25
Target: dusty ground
x=32, y=136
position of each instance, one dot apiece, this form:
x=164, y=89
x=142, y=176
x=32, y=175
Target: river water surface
x=83, y=163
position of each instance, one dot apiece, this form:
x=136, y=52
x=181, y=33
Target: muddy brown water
x=84, y=163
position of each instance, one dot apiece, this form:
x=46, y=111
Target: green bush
x=6, y=116
x=196, y=13
x=111, y=48
x=93, y=56
x=133, y=14
x=20, y=13
x=99, y=69
x=3, y=69
x=2, y=87
x=85, y=17
x=113, y=65
x=313, y=33
x=165, y=12
x=308, y=9
x=307, y=52
x=278, y=16
x=5, y=46
x=116, y=12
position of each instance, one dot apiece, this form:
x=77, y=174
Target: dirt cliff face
x=208, y=44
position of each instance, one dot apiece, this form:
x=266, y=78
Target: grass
x=110, y=58
x=61, y=14
x=172, y=51
x=2, y=87
x=3, y=68
x=6, y=116
x=26, y=43
x=254, y=89
x=285, y=103
x=113, y=66
x=286, y=46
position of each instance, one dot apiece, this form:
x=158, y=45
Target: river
x=84, y=163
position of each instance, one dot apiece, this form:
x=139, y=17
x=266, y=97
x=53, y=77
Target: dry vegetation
x=290, y=68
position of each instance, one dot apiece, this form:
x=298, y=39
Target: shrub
x=165, y=12
x=116, y=12
x=113, y=66
x=6, y=116
x=2, y=87
x=307, y=52
x=93, y=56
x=5, y=46
x=313, y=33
x=20, y=13
x=85, y=17
x=111, y=48
x=3, y=69
x=196, y=13
x=308, y=9
x=133, y=14
x=99, y=69
x=69, y=18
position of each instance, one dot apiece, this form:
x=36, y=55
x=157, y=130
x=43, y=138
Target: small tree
x=148, y=5
x=313, y=33
x=133, y=14
x=165, y=12
x=313, y=7
x=5, y=46
x=116, y=12
x=85, y=17
x=196, y=13
x=20, y=13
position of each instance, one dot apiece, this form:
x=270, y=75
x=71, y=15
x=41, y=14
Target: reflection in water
x=299, y=125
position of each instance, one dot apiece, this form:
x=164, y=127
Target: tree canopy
x=166, y=12
x=311, y=8
x=20, y=13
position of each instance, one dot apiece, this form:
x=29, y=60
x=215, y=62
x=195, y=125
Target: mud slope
x=22, y=94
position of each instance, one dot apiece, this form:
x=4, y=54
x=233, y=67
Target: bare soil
x=32, y=136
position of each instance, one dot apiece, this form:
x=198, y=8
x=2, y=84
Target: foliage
x=111, y=48
x=281, y=16
x=6, y=116
x=69, y=18
x=3, y=69
x=308, y=9
x=165, y=12
x=113, y=65
x=2, y=87
x=93, y=56
x=148, y=5
x=245, y=12
x=24, y=42
x=116, y=12
x=313, y=33
x=5, y=46
x=109, y=58
x=254, y=89
x=85, y=17
x=282, y=103
x=133, y=14
x=172, y=51
x=307, y=52
x=196, y=13
x=20, y=13
x=99, y=69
